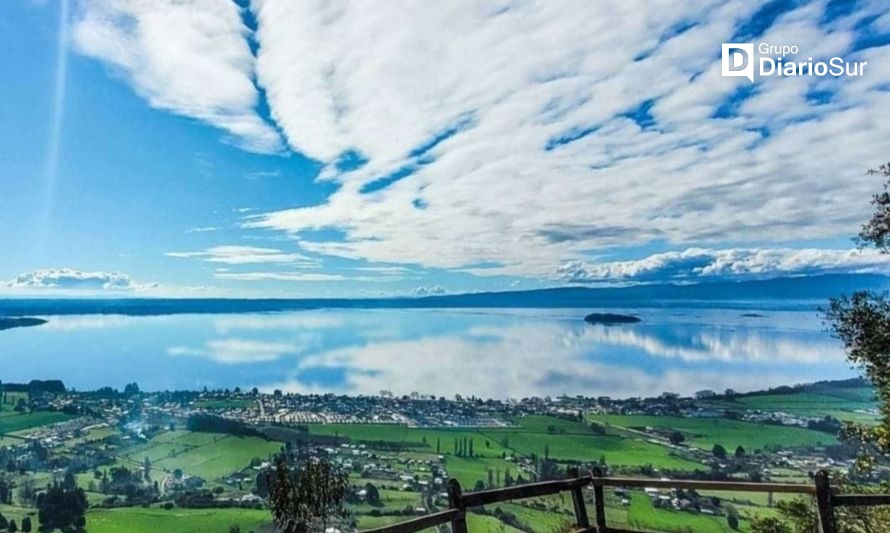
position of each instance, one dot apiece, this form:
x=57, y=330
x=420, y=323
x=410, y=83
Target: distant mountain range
x=778, y=292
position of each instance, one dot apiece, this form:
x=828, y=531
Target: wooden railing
x=458, y=503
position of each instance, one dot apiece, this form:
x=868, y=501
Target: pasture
x=561, y=439
x=704, y=433
x=153, y=519
x=208, y=455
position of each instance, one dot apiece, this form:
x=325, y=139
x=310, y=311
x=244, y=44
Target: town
x=138, y=455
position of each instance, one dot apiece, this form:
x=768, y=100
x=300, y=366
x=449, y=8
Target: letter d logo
x=738, y=60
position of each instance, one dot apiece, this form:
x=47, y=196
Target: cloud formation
x=590, y=125
x=244, y=255
x=74, y=280
x=695, y=263
x=525, y=135
x=237, y=351
x=189, y=57
x=503, y=362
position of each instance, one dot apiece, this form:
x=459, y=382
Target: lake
x=498, y=353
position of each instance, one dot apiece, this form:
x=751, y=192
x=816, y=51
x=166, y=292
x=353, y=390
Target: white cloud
x=533, y=132
x=243, y=255
x=67, y=279
x=385, y=82
x=237, y=351
x=423, y=290
x=190, y=57
x=290, y=276
x=694, y=263
x=502, y=362
x=202, y=229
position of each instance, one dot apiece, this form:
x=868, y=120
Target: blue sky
x=275, y=148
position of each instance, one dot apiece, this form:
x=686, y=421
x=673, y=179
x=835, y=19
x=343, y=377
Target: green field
x=564, y=440
x=642, y=515
x=208, y=455
x=706, y=432
x=151, y=520
x=850, y=405
x=11, y=421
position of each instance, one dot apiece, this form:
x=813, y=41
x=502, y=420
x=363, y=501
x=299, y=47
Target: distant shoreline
x=809, y=293
x=20, y=322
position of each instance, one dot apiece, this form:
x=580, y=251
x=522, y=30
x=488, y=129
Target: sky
x=307, y=149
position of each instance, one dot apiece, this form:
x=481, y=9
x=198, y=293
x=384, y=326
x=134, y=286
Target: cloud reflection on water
x=551, y=358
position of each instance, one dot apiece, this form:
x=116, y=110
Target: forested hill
x=758, y=293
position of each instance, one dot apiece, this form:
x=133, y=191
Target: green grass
x=139, y=520
x=566, y=440
x=847, y=405
x=208, y=455
x=11, y=421
x=642, y=515
x=537, y=519
x=705, y=432
x=12, y=512
x=488, y=524
x=370, y=522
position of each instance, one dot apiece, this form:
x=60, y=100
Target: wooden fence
x=458, y=502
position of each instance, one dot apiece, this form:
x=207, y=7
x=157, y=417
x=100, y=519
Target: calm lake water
x=490, y=353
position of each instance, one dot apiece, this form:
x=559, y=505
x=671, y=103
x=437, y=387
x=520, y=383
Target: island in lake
x=19, y=322
x=609, y=319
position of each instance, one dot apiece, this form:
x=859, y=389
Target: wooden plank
x=794, y=488
x=867, y=500
x=599, y=499
x=418, y=524
x=823, y=500
x=519, y=492
x=581, y=519
x=455, y=502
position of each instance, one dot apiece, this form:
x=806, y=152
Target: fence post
x=455, y=501
x=599, y=501
x=578, y=500
x=823, y=500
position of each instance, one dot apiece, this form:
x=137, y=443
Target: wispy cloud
x=244, y=255
x=237, y=351
x=604, y=125
x=292, y=276
x=526, y=134
x=188, y=57
x=202, y=229
x=697, y=263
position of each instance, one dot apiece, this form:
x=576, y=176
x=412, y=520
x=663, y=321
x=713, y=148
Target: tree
x=372, y=495
x=676, y=438
x=26, y=524
x=740, y=451
x=62, y=507
x=732, y=517
x=861, y=322
x=146, y=469
x=308, y=498
x=13, y=527
x=719, y=451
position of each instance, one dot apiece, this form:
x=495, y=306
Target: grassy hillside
x=706, y=432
